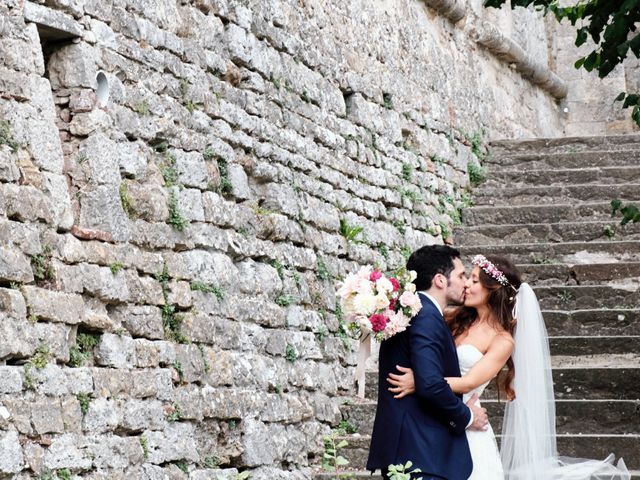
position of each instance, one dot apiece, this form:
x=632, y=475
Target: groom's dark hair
x=430, y=260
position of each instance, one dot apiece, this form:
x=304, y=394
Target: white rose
x=384, y=285
x=364, y=304
x=382, y=301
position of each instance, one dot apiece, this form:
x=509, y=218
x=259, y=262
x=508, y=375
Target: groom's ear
x=439, y=281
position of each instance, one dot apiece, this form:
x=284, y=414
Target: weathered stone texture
x=193, y=224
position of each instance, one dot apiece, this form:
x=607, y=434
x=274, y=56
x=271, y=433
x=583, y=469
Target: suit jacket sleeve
x=428, y=337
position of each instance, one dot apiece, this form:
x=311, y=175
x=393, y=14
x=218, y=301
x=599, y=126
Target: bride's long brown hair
x=501, y=302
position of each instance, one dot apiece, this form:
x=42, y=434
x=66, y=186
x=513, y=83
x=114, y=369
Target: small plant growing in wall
x=6, y=137
x=125, y=200
x=350, y=232
x=176, y=220
x=207, y=288
x=173, y=413
x=225, y=187
x=290, y=353
x=81, y=352
x=84, y=400
x=477, y=174
x=41, y=265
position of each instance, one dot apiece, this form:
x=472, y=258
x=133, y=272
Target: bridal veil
x=528, y=447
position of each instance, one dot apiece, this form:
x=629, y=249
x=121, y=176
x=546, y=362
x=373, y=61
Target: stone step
x=592, y=322
x=543, y=194
x=569, y=159
x=566, y=252
x=506, y=148
x=527, y=214
x=584, y=231
x=602, y=345
x=580, y=446
x=582, y=274
x=591, y=378
x=578, y=297
x=356, y=474
x=566, y=176
x=572, y=416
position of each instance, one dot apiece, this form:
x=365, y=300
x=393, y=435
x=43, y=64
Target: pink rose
x=378, y=322
x=375, y=275
x=392, y=304
x=395, y=283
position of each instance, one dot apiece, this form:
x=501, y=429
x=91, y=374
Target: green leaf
x=341, y=461
x=579, y=63
x=632, y=99
x=581, y=36
x=342, y=444
x=636, y=115
x=620, y=96
x=615, y=206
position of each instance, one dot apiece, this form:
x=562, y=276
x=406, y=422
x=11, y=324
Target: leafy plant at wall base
x=477, y=174
x=347, y=427
x=284, y=300
x=168, y=170
x=116, y=267
x=81, y=351
x=630, y=212
x=332, y=460
x=403, y=472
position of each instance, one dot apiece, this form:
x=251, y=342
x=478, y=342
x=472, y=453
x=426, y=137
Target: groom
x=427, y=428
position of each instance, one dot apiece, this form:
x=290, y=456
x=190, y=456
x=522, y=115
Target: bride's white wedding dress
x=528, y=432
x=484, y=449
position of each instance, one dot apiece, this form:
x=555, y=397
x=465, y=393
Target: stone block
x=173, y=443
x=115, y=351
x=11, y=457
x=102, y=283
x=153, y=354
x=101, y=209
x=12, y=302
x=208, y=267
x=138, y=415
x=55, y=306
x=134, y=383
x=102, y=416
x=114, y=453
x=192, y=169
x=74, y=66
x=140, y=320
x=67, y=451
x=190, y=204
x=10, y=379
x=26, y=203
x=55, y=186
x=9, y=171
x=149, y=201
x=46, y=416
x=101, y=165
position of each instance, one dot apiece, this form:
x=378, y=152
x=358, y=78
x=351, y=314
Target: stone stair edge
x=590, y=140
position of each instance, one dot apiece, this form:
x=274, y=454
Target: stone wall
x=180, y=184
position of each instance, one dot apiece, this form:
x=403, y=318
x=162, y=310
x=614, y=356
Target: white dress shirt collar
x=434, y=302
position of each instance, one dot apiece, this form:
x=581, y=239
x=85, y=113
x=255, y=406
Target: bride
x=500, y=325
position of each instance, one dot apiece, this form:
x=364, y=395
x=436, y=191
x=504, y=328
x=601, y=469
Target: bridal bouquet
x=379, y=305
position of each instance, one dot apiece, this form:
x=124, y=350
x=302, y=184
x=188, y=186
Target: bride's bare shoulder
x=502, y=341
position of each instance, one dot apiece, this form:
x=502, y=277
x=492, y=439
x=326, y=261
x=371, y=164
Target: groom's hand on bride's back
x=480, y=419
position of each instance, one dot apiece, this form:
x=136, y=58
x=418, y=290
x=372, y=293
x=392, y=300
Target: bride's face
x=475, y=293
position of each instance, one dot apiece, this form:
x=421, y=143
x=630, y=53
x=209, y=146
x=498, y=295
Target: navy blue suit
x=427, y=427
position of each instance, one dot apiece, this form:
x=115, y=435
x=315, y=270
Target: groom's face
x=455, y=284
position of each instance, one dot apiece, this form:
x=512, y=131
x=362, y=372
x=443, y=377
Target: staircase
x=546, y=205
